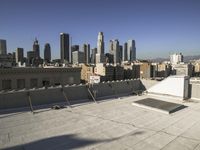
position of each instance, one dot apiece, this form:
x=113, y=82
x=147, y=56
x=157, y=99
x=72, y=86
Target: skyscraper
x=100, y=43
x=100, y=57
x=78, y=57
x=73, y=49
x=64, y=47
x=19, y=55
x=93, y=55
x=114, y=50
x=131, y=49
x=86, y=50
x=36, y=48
x=120, y=53
x=125, y=53
x=3, y=48
x=47, y=52
x=30, y=58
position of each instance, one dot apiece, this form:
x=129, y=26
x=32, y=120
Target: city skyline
x=159, y=28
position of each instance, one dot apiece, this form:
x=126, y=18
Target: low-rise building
x=118, y=73
x=161, y=70
x=183, y=69
x=197, y=69
x=20, y=78
x=146, y=70
x=86, y=72
x=106, y=72
x=131, y=71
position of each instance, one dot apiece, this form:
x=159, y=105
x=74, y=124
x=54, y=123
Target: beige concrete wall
x=195, y=91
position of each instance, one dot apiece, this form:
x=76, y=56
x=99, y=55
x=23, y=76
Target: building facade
x=114, y=50
x=176, y=58
x=86, y=72
x=73, y=49
x=93, y=55
x=118, y=73
x=3, y=47
x=100, y=48
x=47, y=53
x=86, y=50
x=64, y=47
x=30, y=58
x=183, y=69
x=131, y=50
x=36, y=49
x=19, y=55
x=78, y=57
x=125, y=53
x=20, y=78
x=106, y=72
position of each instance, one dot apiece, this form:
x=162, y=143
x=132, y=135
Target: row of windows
x=7, y=84
x=21, y=83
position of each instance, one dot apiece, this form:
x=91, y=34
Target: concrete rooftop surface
x=110, y=124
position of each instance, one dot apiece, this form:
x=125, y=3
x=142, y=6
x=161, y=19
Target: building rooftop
x=110, y=124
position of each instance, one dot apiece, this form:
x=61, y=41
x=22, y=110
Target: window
x=45, y=83
x=33, y=83
x=20, y=83
x=6, y=84
x=57, y=84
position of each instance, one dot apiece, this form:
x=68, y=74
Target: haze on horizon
x=158, y=27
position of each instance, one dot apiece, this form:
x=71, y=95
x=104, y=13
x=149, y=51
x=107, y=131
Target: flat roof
x=110, y=124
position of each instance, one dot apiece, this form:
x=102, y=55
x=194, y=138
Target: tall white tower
x=100, y=57
x=100, y=43
x=176, y=58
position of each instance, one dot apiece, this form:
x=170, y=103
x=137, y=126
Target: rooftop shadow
x=67, y=142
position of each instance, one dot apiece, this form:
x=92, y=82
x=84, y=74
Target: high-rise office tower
x=78, y=57
x=100, y=57
x=120, y=53
x=30, y=57
x=100, y=43
x=86, y=50
x=19, y=55
x=131, y=49
x=36, y=48
x=114, y=50
x=3, y=48
x=64, y=47
x=125, y=53
x=47, y=52
x=73, y=49
x=93, y=55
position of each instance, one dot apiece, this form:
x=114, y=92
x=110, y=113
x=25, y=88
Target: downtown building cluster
x=77, y=64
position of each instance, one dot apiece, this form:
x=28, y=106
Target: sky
x=159, y=27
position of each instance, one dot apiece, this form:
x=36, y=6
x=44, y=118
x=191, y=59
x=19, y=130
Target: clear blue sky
x=159, y=27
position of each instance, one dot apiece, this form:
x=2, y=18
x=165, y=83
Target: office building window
x=6, y=84
x=33, y=83
x=20, y=83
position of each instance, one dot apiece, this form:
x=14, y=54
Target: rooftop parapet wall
x=74, y=93
x=78, y=93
